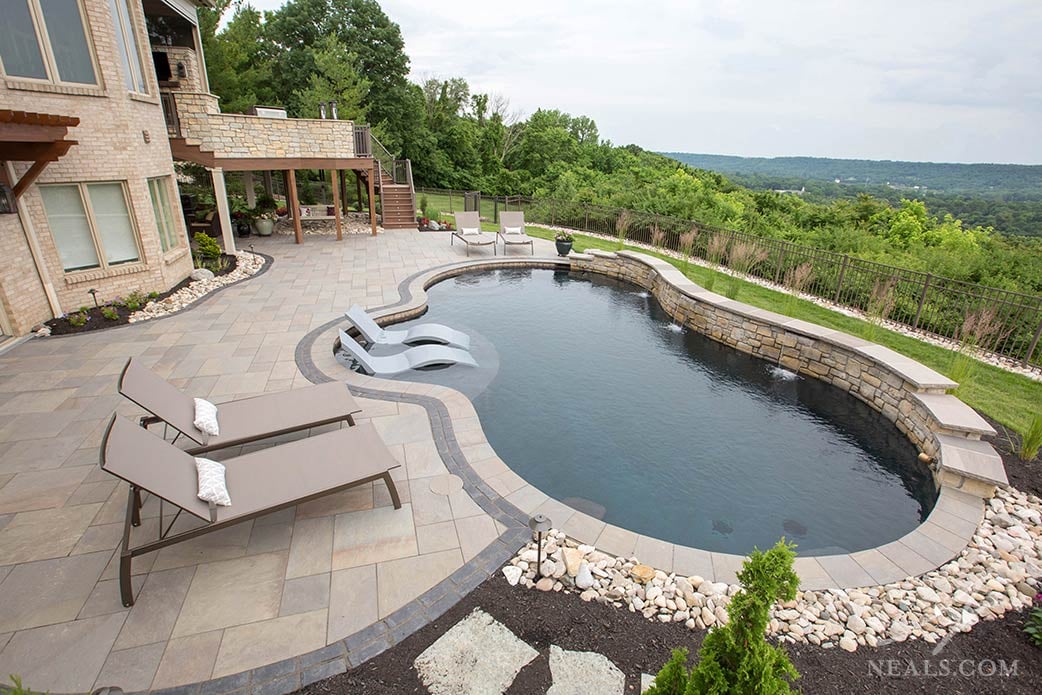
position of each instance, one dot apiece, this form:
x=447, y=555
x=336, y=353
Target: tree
x=334, y=79
x=238, y=69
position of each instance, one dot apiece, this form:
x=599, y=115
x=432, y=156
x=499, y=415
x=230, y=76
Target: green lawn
x=1010, y=398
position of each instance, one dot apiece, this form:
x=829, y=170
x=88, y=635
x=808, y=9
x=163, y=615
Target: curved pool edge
x=947, y=530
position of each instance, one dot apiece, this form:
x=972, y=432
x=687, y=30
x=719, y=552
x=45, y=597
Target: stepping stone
x=646, y=681
x=477, y=656
x=581, y=673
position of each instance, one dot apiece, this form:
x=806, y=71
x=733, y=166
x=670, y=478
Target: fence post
x=922, y=301
x=839, y=280
x=1034, y=343
x=586, y=217
x=781, y=260
x=450, y=202
x=551, y=212
x=495, y=209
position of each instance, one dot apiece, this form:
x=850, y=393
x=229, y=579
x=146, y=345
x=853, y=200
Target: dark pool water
x=589, y=392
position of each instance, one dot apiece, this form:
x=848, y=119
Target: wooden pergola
x=289, y=166
x=39, y=138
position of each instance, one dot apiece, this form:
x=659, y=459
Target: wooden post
x=358, y=189
x=251, y=194
x=343, y=193
x=294, y=204
x=334, y=181
x=372, y=195
x=224, y=214
x=268, y=188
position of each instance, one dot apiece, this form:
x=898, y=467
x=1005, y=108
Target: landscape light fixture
x=322, y=109
x=333, y=113
x=94, y=295
x=540, y=523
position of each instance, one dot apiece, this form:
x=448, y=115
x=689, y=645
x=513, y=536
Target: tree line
x=350, y=51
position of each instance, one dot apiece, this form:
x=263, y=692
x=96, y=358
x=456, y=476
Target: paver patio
x=249, y=595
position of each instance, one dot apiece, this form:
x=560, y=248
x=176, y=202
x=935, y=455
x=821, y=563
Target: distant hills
x=1013, y=181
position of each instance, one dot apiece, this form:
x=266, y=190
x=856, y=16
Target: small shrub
x=687, y=245
x=562, y=235
x=1033, y=626
x=265, y=203
x=797, y=280
x=657, y=236
x=672, y=679
x=110, y=313
x=134, y=301
x=153, y=295
x=1031, y=441
x=78, y=319
x=206, y=247
x=424, y=203
x=18, y=688
x=83, y=309
x=745, y=258
x=622, y=227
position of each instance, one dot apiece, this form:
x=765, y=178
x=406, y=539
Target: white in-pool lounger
x=423, y=333
x=413, y=358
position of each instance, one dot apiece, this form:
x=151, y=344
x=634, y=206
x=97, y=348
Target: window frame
x=128, y=32
x=50, y=64
x=171, y=241
x=92, y=224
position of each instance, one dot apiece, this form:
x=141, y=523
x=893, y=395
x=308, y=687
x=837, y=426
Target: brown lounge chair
x=242, y=421
x=259, y=483
x=512, y=230
x=468, y=230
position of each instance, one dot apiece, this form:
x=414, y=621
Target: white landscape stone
x=477, y=656
x=513, y=574
x=583, y=673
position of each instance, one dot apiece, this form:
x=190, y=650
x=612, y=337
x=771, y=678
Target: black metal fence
x=924, y=302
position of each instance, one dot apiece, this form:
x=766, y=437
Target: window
x=91, y=224
x=160, y=191
x=46, y=40
x=126, y=37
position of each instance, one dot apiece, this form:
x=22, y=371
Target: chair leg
x=135, y=506
x=126, y=589
x=395, y=499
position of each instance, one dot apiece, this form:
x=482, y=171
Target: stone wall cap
x=953, y=414
x=914, y=372
x=972, y=458
x=602, y=254
x=575, y=256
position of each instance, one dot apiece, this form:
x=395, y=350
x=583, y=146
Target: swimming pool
x=588, y=391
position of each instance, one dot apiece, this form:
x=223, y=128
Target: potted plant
x=242, y=216
x=265, y=223
x=563, y=241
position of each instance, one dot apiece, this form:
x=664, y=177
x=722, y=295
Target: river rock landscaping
x=192, y=290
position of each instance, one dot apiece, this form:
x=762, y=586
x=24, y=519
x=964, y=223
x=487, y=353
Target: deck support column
x=372, y=204
x=269, y=189
x=251, y=195
x=224, y=214
x=334, y=180
x=294, y=204
x=358, y=188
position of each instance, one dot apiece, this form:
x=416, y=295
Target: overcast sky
x=935, y=80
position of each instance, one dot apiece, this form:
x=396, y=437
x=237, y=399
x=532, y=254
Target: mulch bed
x=60, y=326
x=637, y=645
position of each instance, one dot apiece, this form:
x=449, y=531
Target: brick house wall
x=122, y=137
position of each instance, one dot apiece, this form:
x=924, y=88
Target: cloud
x=889, y=79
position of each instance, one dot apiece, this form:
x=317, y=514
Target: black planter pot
x=242, y=227
x=563, y=247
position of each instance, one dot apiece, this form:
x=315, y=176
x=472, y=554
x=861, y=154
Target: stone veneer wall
x=230, y=135
x=113, y=146
x=907, y=393
x=192, y=81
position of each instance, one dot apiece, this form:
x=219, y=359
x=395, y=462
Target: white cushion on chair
x=206, y=417
x=465, y=230
x=511, y=230
x=212, y=486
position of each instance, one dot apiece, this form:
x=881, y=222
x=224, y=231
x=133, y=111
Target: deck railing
x=173, y=126
x=923, y=302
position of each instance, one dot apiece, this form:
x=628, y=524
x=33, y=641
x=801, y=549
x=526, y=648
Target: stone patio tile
x=558, y=512
x=353, y=601
x=489, y=467
x=269, y=538
x=353, y=499
x=4, y=639
x=48, y=591
x=475, y=533
x=583, y=527
x=929, y=548
x=373, y=407
x=311, y=550
x=959, y=526
x=232, y=592
x=382, y=496
x=950, y=540
x=187, y=660
x=434, y=537
x=36, y=425
x=400, y=581
x=617, y=541
x=906, y=558
x=220, y=366
x=131, y=669
x=224, y=544
x=105, y=598
x=403, y=428
x=239, y=383
x=882, y=570
x=812, y=575
x=375, y=535
x=527, y=498
x=39, y=454
x=44, y=534
x=283, y=516
x=691, y=562
x=63, y=658
x=428, y=507
x=257, y=644
x=88, y=492
x=478, y=452
x=422, y=460
x=845, y=571
x=44, y=489
x=654, y=552
x=106, y=537
x=36, y=401
x=305, y=594
x=156, y=608
x=726, y=567
x=463, y=505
